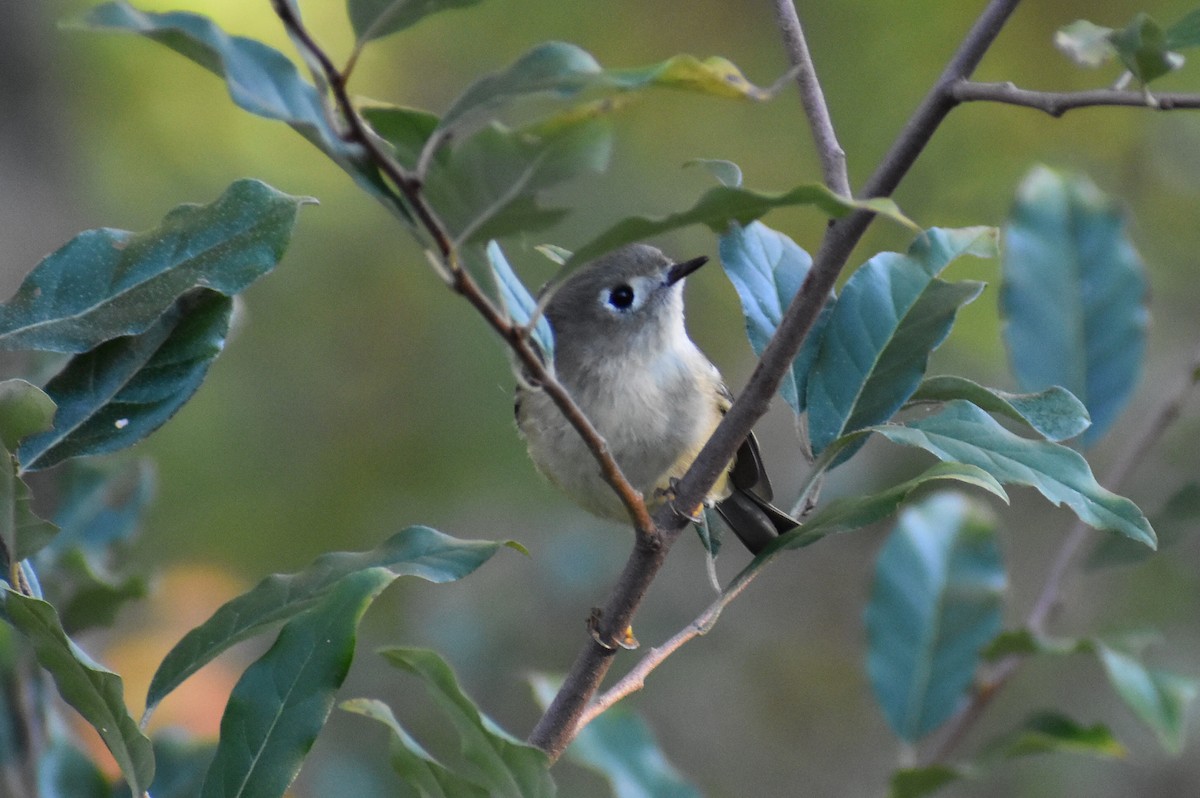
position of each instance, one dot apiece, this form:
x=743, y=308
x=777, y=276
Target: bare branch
x=830, y=152
x=1057, y=103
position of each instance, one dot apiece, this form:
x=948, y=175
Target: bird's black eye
x=621, y=297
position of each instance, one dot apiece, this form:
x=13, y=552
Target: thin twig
x=560, y=722
x=1057, y=103
x=829, y=151
x=1131, y=457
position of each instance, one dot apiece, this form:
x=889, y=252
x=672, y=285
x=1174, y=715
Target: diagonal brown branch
x=560, y=722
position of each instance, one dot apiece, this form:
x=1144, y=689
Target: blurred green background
x=360, y=396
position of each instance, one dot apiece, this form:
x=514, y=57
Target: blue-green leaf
x=418, y=769
x=892, y=313
x=1159, y=699
x=282, y=700
x=1053, y=413
x=415, y=551
x=767, y=268
x=505, y=766
x=621, y=747
x=1073, y=295
x=109, y=283
x=101, y=503
x=963, y=433
x=123, y=390
x=936, y=601
x=93, y=691
x=516, y=299
x=260, y=79
x=374, y=19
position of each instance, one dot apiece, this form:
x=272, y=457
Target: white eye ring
x=626, y=297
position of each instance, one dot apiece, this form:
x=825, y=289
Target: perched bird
x=623, y=353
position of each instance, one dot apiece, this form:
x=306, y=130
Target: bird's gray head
x=628, y=300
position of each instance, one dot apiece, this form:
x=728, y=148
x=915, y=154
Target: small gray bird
x=621, y=350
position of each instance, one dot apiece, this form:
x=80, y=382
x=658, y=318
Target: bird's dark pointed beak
x=680, y=270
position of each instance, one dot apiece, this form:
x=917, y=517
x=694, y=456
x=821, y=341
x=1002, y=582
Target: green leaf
x=374, y=19
x=405, y=129
x=94, y=692
x=518, y=303
x=1142, y=46
x=260, y=79
x=86, y=595
x=721, y=205
x=282, y=700
x=415, y=551
x=415, y=766
x=24, y=410
x=505, y=766
x=1158, y=698
x=565, y=71
x=110, y=283
x=1185, y=33
x=488, y=184
x=620, y=746
x=1086, y=43
x=1073, y=295
x=936, y=601
x=892, y=313
x=853, y=512
x=963, y=433
x=1023, y=642
x=1051, y=733
x=917, y=782
x=1053, y=413
x=115, y=395
x=766, y=269
x=1177, y=519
